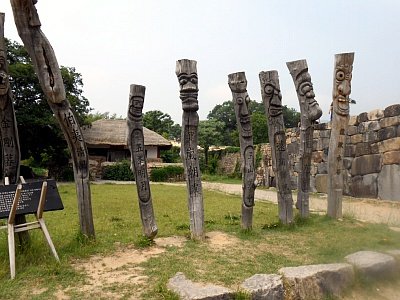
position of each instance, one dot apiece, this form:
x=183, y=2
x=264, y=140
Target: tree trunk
x=238, y=84
x=186, y=71
x=340, y=120
x=48, y=72
x=9, y=130
x=310, y=113
x=272, y=98
x=138, y=159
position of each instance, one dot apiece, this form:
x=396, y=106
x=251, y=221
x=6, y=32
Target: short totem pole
x=340, y=120
x=272, y=98
x=310, y=113
x=138, y=159
x=186, y=70
x=238, y=85
x=46, y=67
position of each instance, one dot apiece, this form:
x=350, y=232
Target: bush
x=171, y=156
x=168, y=173
x=121, y=171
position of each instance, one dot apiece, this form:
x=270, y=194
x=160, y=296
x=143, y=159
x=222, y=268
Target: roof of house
x=114, y=132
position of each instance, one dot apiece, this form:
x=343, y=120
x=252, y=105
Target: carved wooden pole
x=310, y=112
x=8, y=128
x=138, y=159
x=238, y=84
x=340, y=119
x=272, y=99
x=186, y=70
x=48, y=72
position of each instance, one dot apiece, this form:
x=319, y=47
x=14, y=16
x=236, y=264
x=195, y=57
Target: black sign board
x=30, y=196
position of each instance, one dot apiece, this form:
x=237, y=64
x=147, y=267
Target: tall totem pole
x=310, y=113
x=138, y=159
x=47, y=69
x=340, y=120
x=272, y=98
x=186, y=70
x=238, y=85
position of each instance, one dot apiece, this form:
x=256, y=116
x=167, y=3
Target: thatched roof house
x=108, y=138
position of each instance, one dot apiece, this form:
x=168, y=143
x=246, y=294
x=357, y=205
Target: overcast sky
x=116, y=43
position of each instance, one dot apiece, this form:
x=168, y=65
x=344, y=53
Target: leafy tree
x=291, y=117
x=161, y=123
x=260, y=128
x=39, y=132
x=210, y=134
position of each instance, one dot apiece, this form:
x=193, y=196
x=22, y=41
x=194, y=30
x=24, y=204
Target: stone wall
x=372, y=155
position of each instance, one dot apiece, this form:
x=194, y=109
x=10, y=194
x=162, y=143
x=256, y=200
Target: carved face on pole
x=136, y=100
x=342, y=82
x=270, y=87
x=304, y=87
x=186, y=70
x=4, y=82
x=238, y=85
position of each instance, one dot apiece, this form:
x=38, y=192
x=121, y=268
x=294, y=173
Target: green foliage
x=171, y=156
x=161, y=123
x=260, y=128
x=232, y=149
x=120, y=171
x=168, y=173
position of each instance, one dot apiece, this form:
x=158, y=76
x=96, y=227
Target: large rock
x=352, y=130
x=392, y=110
x=363, y=117
x=388, y=183
x=321, y=183
x=364, y=186
x=391, y=157
x=264, y=287
x=375, y=114
x=187, y=290
x=386, y=133
x=373, y=264
x=316, y=281
x=353, y=121
x=391, y=121
x=389, y=145
x=366, y=164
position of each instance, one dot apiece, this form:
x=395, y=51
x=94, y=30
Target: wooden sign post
x=47, y=69
x=340, y=120
x=310, y=113
x=238, y=85
x=138, y=159
x=272, y=98
x=186, y=70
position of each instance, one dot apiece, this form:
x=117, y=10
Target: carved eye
x=193, y=80
x=183, y=81
x=239, y=101
x=340, y=75
x=269, y=89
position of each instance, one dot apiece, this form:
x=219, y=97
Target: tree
x=210, y=134
x=40, y=135
x=260, y=128
x=161, y=123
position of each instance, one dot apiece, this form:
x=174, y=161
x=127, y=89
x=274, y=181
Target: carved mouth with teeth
x=274, y=110
x=342, y=105
x=246, y=126
x=189, y=101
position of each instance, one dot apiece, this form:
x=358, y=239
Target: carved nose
x=344, y=88
x=243, y=110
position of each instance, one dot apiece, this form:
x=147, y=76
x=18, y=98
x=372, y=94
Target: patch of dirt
x=109, y=275
x=221, y=241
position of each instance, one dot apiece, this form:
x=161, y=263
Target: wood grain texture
x=138, y=159
x=310, y=112
x=48, y=71
x=238, y=85
x=272, y=99
x=340, y=118
x=186, y=71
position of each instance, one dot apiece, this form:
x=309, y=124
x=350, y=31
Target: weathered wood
x=138, y=159
x=186, y=71
x=272, y=98
x=340, y=119
x=238, y=85
x=48, y=72
x=310, y=112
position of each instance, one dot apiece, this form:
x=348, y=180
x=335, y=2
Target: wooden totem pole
x=272, y=98
x=238, y=85
x=47, y=69
x=186, y=70
x=310, y=113
x=340, y=120
x=138, y=159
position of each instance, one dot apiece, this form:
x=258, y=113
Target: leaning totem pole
x=138, y=159
x=47, y=69
x=272, y=98
x=340, y=120
x=310, y=112
x=238, y=84
x=186, y=70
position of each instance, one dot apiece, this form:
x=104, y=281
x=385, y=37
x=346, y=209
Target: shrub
x=121, y=171
x=171, y=156
x=168, y=173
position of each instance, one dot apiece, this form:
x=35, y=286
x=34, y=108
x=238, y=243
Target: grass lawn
x=268, y=247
